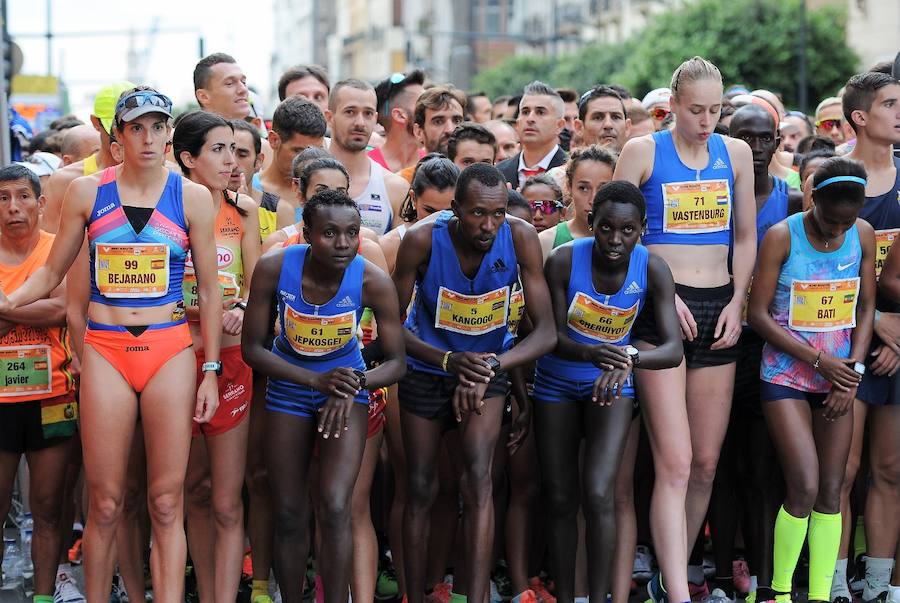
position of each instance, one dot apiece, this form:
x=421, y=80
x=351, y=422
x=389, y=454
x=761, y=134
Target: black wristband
x=373, y=353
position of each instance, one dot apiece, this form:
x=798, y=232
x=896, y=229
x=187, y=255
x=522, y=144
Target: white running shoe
x=67, y=590
x=643, y=564
x=717, y=596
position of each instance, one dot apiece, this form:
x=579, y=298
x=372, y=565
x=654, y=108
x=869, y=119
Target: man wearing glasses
x=829, y=120
x=657, y=105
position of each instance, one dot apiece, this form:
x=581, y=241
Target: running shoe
x=262, y=599
x=117, y=594
x=656, y=591
x=496, y=597
x=841, y=599
x=717, y=596
x=698, y=592
x=67, y=590
x=75, y=553
x=500, y=578
x=440, y=593
x=741, y=576
x=528, y=596
x=541, y=591
x=882, y=598
x=751, y=597
x=858, y=583
x=643, y=564
x=387, y=587
x=709, y=567
x=247, y=566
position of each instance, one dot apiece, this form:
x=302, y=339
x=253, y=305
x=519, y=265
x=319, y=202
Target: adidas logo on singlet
x=633, y=289
x=498, y=266
x=719, y=164
x=345, y=303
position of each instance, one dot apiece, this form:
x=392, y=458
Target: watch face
x=631, y=350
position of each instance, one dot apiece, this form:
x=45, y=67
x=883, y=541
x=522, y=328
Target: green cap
x=105, y=103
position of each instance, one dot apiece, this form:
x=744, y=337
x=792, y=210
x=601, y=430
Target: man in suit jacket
x=541, y=117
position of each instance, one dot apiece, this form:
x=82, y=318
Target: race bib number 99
x=471, y=314
x=607, y=324
x=696, y=207
x=822, y=306
x=132, y=270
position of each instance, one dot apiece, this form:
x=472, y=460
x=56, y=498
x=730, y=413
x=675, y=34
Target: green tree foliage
x=753, y=42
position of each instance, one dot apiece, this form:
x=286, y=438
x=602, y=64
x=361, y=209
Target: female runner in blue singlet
x=317, y=381
x=141, y=220
x=598, y=286
x=699, y=189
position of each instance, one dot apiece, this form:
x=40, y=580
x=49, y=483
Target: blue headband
x=825, y=183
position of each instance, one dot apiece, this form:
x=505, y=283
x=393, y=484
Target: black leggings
x=559, y=430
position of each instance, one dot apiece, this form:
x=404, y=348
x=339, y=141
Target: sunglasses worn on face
x=829, y=124
x=659, y=113
x=545, y=207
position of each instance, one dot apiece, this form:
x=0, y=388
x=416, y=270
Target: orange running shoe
x=75, y=553
x=528, y=596
x=540, y=590
x=247, y=567
x=440, y=593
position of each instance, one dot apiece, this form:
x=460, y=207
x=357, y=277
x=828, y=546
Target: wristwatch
x=241, y=305
x=859, y=368
x=361, y=377
x=494, y=363
x=634, y=354
x=212, y=365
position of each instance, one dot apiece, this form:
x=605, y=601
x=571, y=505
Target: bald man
x=79, y=142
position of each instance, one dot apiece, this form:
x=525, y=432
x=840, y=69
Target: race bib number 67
x=822, y=306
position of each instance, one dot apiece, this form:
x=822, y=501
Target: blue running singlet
x=315, y=337
x=454, y=312
x=592, y=318
x=687, y=206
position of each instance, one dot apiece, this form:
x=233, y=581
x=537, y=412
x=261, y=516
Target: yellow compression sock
x=790, y=532
x=824, y=542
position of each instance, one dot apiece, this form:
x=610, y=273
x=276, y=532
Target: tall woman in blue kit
x=813, y=301
x=318, y=381
x=598, y=285
x=141, y=219
x=699, y=188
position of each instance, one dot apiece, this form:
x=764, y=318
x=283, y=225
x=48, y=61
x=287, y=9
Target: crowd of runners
x=401, y=342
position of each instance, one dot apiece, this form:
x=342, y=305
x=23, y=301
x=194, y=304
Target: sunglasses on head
x=546, y=207
x=142, y=98
x=396, y=78
x=659, y=113
x=829, y=124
